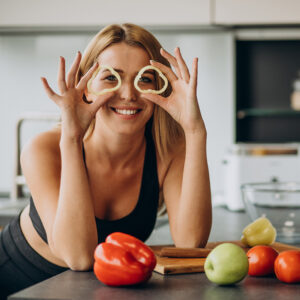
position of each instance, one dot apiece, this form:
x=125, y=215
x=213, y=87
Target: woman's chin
x=128, y=130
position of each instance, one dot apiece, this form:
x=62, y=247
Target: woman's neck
x=115, y=150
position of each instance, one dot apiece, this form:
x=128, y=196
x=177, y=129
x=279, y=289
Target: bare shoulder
x=42, y=149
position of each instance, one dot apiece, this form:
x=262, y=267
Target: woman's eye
x=111, y=78
x=145, y=80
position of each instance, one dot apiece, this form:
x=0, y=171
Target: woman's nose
x=128, y=91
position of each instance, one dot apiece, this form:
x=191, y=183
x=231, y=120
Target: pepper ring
x=105, y=90
x=149, y=91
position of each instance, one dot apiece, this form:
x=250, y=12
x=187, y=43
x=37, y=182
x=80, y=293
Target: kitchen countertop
x=227, y=225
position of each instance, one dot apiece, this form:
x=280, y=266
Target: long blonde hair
x=165, y=130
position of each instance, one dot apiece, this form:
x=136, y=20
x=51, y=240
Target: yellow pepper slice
x=150, y=91
x=105, y=90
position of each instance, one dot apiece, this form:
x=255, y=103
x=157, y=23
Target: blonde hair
x=166, y=131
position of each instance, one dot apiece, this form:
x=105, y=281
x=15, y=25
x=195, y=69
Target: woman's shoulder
x=43, y=146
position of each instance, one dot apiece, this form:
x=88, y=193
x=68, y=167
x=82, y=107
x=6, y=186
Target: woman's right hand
x=76, y=114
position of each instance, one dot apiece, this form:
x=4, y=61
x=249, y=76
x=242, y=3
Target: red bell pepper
x=123, y=260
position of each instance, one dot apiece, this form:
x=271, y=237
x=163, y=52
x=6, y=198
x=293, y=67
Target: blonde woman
x=112, y=161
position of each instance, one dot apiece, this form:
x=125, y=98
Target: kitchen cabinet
x=253, y=12
x=94, y=13
x=90, y=14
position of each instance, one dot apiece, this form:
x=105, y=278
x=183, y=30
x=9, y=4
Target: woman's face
x=127, y=111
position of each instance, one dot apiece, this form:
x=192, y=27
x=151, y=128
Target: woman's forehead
x=124, y=57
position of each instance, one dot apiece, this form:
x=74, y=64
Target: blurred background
x=248, y=86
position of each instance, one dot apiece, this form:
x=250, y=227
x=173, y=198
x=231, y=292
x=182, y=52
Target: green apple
x=226, y=264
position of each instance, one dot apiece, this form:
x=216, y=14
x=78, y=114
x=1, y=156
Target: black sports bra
x=140, y=222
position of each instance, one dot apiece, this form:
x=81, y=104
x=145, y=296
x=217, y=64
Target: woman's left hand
x=182, y=104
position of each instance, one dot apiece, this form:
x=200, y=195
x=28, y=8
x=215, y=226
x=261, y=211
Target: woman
x=103, y=169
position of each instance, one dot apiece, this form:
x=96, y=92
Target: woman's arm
x=186, y=186
x=61, y=190
x=57, y=179
x=74, y=232
x=187, y=194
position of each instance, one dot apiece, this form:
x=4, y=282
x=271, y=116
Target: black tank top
x=140, y=222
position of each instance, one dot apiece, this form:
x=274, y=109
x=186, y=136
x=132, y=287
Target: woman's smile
x=126, y=113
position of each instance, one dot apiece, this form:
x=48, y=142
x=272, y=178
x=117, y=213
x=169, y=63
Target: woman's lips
x=126, y=113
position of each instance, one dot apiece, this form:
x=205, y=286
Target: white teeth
x=126, y=111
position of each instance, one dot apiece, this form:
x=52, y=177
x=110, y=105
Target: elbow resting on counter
x=193, y=240
x=81, y=264
x=75, y=260
x=191, y=243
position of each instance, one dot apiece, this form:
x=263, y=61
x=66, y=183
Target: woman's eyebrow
x=121, y=71
x=149, y=72
x=107, y=70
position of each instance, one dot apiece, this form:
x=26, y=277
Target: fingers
x=166, y=70
x=178, y=62
x=100, y=101
x=87, y=76
x=74, y=68
x=156, y=99
x=61, y=80
x=194, y=76
x=172, y=60
x=51, y=94
x=182, y=65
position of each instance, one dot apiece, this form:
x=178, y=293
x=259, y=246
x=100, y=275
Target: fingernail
x=152, y=61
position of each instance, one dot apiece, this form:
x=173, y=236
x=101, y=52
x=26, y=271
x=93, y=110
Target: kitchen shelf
x=266, y=112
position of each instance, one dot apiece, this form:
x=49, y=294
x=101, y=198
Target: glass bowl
x=279, y=202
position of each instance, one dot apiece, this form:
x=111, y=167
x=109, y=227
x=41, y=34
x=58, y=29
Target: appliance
x=254, y=163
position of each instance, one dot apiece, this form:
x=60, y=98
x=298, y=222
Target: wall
x=25, y=57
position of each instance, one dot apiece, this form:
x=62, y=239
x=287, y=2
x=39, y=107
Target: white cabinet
x=253, y=12
x=90, y=14
x=94, y=13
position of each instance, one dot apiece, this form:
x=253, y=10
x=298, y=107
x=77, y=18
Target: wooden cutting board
x=190, y=262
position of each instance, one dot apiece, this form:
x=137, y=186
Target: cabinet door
x=95, y=13
x=247, y=12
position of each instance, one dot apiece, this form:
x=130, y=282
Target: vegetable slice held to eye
x=106, y=90
x=150, y=91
